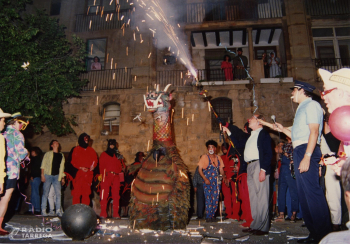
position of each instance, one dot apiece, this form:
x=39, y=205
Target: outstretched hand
x=278, y=127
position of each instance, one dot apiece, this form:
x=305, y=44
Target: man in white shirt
x=258, y=155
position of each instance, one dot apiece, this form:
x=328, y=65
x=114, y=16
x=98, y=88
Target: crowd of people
x=312, y=167
x=308, y=165
x=235, y=69
x=49, y=174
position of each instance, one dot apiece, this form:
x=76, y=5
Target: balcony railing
x=108, y=79
x=107, y=21
x=181, y=77
x=332, y=64
x=233, y=10
x=330, y=8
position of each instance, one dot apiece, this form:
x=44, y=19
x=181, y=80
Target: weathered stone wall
x=133, y=136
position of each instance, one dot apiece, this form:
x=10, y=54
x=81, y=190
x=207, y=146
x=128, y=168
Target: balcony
x=108, y=79
x=106, y=21
x=332, y=64
x=328, y=8
x=233, y=10
x=210, y=77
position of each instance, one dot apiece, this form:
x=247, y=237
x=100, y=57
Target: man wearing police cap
x=306, y=138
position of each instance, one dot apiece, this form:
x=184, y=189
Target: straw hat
x=4, y=115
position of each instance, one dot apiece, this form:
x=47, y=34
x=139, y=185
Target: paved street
x=120, y=231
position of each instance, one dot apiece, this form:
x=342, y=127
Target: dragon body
x=160, y=192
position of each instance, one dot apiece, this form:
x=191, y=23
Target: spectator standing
x=226, y=66
x=258, y=155
x=52, y=173
x=96, y=65
x=274, y=63
x=16, y=153
x=286, y=181
x=35, y=178
x=266, y=65
x=306, y=138
x=210, y=167
x=240, y=63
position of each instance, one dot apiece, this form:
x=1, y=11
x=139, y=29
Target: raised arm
x=277, y=127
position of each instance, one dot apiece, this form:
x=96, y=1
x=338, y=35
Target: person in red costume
x=239, y=139
x=111, y=164
x=230, y=191
x=84, y=158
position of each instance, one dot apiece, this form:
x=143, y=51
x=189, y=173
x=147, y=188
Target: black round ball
x=78, y=221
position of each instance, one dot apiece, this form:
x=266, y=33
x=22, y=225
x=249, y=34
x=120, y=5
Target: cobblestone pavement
x=28, y=228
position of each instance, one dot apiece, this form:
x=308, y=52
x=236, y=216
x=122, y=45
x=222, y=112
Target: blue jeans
x=35, y=196
x=289, y=206
x=312, y=199
x=285, y=182
x=51, y=179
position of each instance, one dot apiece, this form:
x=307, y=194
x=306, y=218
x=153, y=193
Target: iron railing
x=233, y=10
x=183, y=78
x=324, y=8
x=108, y=79
x=107, y=21
x=332, y=64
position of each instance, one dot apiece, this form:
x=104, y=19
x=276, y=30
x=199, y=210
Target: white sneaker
x=51, y=213
x=43, y=213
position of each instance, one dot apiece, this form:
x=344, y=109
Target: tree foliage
x=53, y=73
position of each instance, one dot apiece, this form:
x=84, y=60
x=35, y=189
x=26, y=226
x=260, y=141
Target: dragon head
x=158, y=101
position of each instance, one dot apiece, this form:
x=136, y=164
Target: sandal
x=280, y=218
x=293, y=218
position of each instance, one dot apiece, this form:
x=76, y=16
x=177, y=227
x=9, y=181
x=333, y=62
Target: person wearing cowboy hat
x=306, y=138
x=16, y=153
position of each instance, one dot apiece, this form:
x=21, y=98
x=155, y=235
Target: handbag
x=121, y=176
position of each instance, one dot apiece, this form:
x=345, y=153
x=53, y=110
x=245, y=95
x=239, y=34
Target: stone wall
x=190, y=139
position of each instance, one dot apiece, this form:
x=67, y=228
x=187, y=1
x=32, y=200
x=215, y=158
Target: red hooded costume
x=110, y=167
x=84, y=158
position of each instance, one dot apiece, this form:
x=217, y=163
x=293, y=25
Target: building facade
x=304, y=35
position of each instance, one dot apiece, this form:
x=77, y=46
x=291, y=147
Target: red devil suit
x=110, y=167
x=83, y=157
x=230, y=192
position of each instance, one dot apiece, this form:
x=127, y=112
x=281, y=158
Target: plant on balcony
x=40, y=68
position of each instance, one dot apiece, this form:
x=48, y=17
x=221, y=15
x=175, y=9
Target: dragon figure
x=160, y=193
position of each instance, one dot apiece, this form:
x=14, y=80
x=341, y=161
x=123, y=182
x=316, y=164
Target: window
x=96, y=48
x=342, y=31
x=322, y=32
x=324, y=49
x=96, y=6
x=55, y=7
x=223, y=107
x=332, y=47
x=111, y=118
x=344, y=50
